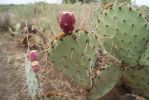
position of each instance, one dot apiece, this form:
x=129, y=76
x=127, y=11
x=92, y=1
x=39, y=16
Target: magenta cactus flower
x=35, y=66
x=33, y=55
x=67, y=22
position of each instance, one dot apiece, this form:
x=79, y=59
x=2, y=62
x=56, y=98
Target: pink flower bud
x=67, y=21
x=35, y=66
x=33, y=55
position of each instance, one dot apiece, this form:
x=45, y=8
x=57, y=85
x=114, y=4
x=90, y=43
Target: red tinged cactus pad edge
x=67, y=22
x=33, y=55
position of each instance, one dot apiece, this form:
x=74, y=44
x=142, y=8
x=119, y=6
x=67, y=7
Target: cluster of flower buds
x=33, y=57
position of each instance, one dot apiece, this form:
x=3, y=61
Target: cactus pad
x=75, y=55
x=124, y=32
x=138, y=79
x=32, y=80
x=105, y=82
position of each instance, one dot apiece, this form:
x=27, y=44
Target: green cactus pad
x=124, y=32
x=105, y=82
x=32, y=80
x=138, y=79
x=74, y=55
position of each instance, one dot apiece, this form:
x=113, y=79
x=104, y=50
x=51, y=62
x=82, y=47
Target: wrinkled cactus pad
x=75, y=55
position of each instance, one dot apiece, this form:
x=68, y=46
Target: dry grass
x=12, y=85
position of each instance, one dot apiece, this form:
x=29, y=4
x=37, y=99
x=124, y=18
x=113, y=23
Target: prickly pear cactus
x=124, y=34
x=75, y=55
x=123, y=31
x=32, y=80
x=104, y=82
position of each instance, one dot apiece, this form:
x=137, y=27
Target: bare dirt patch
x=12, y=84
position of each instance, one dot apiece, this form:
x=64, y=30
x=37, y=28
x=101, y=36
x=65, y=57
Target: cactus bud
x=33, y=55
x=67, y=22
x=35, y=66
